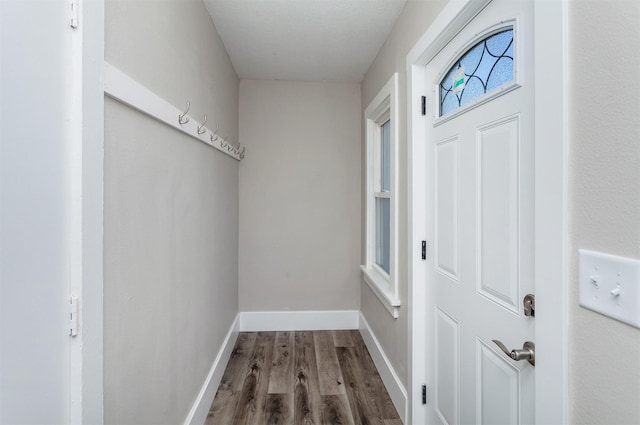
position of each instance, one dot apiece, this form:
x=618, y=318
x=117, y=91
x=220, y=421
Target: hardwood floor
x=301, y=378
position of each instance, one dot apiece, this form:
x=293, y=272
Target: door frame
x=550, y=39
x=86, y=178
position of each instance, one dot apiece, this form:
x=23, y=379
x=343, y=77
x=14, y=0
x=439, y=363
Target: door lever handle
x=527, y=352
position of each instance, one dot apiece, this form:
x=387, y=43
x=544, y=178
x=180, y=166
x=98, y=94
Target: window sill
x=376, y=282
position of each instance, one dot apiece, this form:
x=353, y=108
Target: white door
x=35, y=219
x=480, y=220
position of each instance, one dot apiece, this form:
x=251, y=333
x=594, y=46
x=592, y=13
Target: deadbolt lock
x=529, y=303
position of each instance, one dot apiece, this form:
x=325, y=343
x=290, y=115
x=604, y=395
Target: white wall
x=299, y=196
x=171, y=214
x=604, y=200
x=35, y=212
x=412, y=23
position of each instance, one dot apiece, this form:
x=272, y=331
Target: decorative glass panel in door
x=483, y=68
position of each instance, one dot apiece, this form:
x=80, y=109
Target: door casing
x=550, y=201
x=87, y=182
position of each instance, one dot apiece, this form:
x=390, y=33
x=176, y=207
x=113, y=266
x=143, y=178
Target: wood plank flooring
x=301, y=378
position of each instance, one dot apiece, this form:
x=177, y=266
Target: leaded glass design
x=483, y=68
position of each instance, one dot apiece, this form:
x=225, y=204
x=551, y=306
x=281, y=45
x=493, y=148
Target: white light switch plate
x=610, y=285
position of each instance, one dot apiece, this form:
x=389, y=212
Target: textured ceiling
x=303, y=40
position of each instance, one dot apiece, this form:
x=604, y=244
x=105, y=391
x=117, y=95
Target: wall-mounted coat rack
x=125, y=89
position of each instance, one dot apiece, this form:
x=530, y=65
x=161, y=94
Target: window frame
x=383, y=108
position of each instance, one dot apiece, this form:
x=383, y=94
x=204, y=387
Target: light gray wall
x=604, y=200
x=299, y=196
x=173, y=48
x=171, y=214
x=412, y=23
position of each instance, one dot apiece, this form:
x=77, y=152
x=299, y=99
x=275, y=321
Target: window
x=486, y=67
x=381, y=147
x=382, y=197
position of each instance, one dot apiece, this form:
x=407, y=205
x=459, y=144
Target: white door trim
x=550, y=200
x=551, y=275
x=87, y=182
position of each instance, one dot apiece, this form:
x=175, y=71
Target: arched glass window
x=485, y=67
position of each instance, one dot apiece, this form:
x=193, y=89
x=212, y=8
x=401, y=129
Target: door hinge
x=73, y=316
x=424, y=394
x=74, y=15
x=424, y=250
x=424, y=105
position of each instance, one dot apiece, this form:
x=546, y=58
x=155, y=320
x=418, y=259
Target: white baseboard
x=255, y=321
x=396, y=389
x=200, y=409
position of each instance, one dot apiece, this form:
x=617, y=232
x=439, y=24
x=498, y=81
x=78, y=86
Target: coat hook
x=241, y=153
x=182, y=118
x=201, y=129
x=214, y=135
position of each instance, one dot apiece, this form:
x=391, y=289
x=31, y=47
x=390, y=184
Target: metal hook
x=181, y=117
x=223, y=143
x=214, y=135
x=201, y=129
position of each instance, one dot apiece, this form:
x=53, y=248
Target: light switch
x=610, y=285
